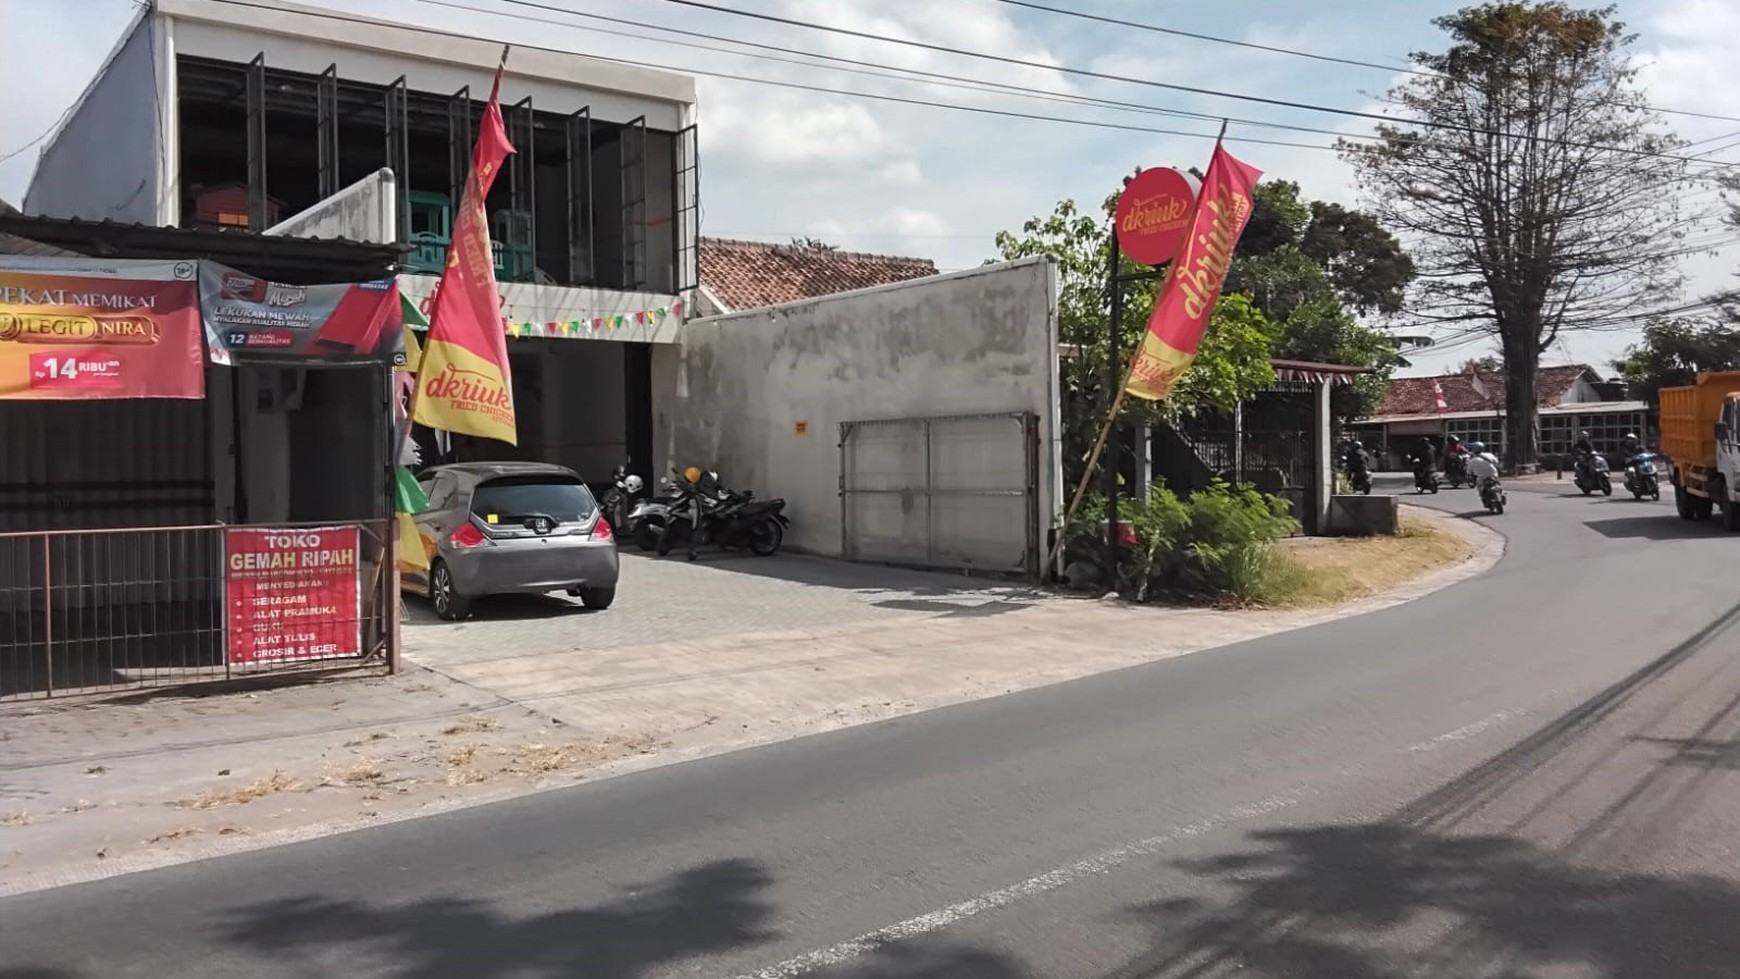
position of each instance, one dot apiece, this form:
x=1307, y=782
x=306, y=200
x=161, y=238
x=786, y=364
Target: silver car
x=511, y=528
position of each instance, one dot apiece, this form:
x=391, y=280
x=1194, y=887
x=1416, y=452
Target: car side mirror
x=1721, y=431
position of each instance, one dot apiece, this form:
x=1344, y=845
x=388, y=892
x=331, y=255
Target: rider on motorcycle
x=1630, y=446
x=1354, y=457
x=1482, y=465
x=1583, y=448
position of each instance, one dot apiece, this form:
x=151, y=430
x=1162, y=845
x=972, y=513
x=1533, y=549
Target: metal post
x=929, y=495
x=1115, y=380
x=47, y=617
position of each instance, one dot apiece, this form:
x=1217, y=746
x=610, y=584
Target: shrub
x=1216, y=542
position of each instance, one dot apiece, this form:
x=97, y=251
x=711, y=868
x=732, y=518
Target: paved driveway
x=671, y=600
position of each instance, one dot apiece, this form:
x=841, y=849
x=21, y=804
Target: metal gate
x=957, y=492
x=1270, y=444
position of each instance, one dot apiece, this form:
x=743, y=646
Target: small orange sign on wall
x=801, y=428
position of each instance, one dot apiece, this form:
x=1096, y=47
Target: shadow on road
x=713, y=908
x=1418, y=894
x=1661, y=525
x=1385, y=900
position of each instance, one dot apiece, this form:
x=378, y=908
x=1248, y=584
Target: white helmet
x=633, y=484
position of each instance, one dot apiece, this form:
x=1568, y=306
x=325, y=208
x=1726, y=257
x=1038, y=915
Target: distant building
x=1570, y=398
x=740, y=275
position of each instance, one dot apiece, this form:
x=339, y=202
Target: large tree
x=1232, y=364
x=1540, y=188
x=1674, y=352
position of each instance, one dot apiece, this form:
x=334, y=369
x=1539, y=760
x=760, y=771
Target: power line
x=730, y=76
x=882, y=71
x=1190, y=89
x=1314, y=56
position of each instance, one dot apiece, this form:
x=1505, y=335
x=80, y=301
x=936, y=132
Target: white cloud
x=788, y=127
x=902, y=173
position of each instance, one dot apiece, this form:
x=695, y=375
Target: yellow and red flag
x=1186, y=301
x=463, y=384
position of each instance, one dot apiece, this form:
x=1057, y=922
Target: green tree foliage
x=1674, y=352
x=1289, y=262
x=1484, y=364
x=1546, y=194
x=1231, y=365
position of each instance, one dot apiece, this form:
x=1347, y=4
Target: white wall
x=980, y=341
x=105, y=161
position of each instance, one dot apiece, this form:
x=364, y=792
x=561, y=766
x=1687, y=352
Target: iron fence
x=87, y=611
x=1270, y=444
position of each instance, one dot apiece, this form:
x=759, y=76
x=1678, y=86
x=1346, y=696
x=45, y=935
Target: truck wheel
x=1702, y=508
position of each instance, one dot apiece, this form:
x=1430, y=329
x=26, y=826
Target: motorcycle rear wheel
x=766, y=537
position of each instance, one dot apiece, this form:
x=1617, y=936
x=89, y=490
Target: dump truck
x=1700, y=435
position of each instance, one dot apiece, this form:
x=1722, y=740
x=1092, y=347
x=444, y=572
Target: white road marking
x=1468, y=731
x=1097, y=866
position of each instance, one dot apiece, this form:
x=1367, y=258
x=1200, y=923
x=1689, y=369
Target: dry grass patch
x=271, y=785
x=466, y=776
x=543, y=759
x=19, y=818
x=172, y=835
x=80, y=806
x=363, y=771
x=1317, y=572
x=474, y=725
x=366, y=739
x=460, y=757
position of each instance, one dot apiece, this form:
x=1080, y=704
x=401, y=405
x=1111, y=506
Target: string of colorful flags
x=594, y=324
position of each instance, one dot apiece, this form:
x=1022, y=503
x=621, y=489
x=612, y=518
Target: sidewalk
x=93, y=790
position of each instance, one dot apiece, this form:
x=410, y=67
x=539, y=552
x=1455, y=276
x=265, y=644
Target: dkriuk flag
x=464, y=384
x=1186, y=301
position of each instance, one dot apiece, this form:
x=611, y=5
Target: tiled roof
x=1477, y=391
x=751, y=274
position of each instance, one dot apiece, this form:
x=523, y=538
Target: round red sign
x=1151, y=214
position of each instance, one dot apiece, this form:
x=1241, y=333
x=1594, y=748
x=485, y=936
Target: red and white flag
x=1438, y=392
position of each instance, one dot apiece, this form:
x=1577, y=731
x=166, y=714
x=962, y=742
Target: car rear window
x=511, y=499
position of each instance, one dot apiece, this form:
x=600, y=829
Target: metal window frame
x=522, y=132
x=686, y=192
x=256, y=126
x=326, y=130
x=582, y=246
x=459, y=114
x=395, y=103
x=633, y=174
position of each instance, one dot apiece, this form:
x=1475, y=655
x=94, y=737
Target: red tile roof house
x=1474, y=403
x=739, y=275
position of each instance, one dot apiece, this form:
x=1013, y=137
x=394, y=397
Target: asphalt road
x=1532, y=774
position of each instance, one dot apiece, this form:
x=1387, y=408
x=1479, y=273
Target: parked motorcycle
x=1492, y=495
x=1456, y=470
x=1641, y=479
x=1360, y=480
x=1591, y=474
x=619, y=500
x=647, y=520
x=706, y=512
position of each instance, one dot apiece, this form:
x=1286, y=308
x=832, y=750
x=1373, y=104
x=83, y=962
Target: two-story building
x=213, y=114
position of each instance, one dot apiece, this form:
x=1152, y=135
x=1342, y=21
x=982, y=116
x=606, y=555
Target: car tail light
x=601, y=530
x=466, y=535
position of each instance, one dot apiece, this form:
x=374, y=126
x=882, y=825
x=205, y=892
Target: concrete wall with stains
x=760, y=395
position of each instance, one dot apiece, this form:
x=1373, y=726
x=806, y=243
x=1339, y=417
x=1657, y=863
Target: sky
x=938, y=182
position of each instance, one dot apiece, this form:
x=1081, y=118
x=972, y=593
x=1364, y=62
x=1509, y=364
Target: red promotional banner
x=465, y=383
x=293, y=594
x=1193, y=285
x=90, y=329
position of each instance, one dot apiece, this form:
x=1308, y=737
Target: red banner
x=71, y=329
x=293, y=594
x=465, y=384
x=1186, y=302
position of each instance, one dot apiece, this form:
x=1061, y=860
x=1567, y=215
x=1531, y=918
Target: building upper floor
x=211, y=113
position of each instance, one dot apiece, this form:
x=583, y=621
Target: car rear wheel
x=449, y=604
x=597, y=598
